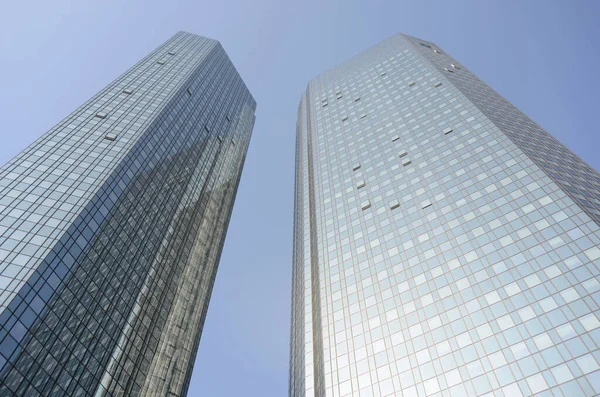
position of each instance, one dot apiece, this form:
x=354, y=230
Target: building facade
x=444, y=243
x=112, y=225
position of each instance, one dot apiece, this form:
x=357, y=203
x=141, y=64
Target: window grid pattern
x=472, y=271
x=575, y=177
x=110, y=247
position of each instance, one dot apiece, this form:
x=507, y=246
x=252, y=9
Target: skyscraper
x=444, y=243
x=112, y=225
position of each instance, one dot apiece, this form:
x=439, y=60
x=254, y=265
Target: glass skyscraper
x=444, y=243
x=112, y=225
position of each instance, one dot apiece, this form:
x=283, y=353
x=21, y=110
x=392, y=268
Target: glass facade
x=112, y=225
x=444, y=243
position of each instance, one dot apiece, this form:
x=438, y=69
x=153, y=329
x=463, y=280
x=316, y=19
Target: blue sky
x=543, y=56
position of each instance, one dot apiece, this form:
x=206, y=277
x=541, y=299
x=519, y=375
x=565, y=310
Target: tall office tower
x=444, y=243
x=112, y=225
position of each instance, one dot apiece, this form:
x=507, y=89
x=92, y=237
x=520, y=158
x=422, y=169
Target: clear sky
x=543, y=56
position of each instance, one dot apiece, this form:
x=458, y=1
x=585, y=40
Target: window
x=356, y=166
x=361, y=184
x=365, y=204
x=402, y=153
x=411, y=83
x=101, y=115
x=110, y=137
x=128, y=91
x=436, y=85
x=394, y=204
x=447, y=130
